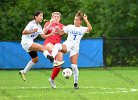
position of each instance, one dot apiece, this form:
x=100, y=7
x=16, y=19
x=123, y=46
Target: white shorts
x=71, y=48
x=26, y=45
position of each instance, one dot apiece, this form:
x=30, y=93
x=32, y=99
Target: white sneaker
x=22, y=75
x=58, y=63
x=53, y=85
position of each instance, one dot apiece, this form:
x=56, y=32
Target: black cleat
x=50, y=58
x=76, y=86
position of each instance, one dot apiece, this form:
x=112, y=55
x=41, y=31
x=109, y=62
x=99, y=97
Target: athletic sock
x=28, y=66
x=55, y=50
x=45, y=53
x=75, y=72
x=55, y=72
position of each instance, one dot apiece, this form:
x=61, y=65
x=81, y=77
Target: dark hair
x=80, y=15
x=37, y=13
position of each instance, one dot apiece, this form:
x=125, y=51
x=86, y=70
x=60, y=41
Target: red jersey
x=56, y=38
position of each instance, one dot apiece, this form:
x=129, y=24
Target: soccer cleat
x=50, y=58
x=22, y=75
x=53, y=85
x=76, y=86
x=58, y=63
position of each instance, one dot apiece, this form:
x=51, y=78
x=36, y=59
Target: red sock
x=55, y=72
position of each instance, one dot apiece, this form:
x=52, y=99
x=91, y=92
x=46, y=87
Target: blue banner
x=13, y=56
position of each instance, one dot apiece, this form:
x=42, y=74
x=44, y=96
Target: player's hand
x=85, y=16
x=53, y=30
x=44, y=30
x=52, y=21
x=52, y=33
x=35, y=30
x=57, y=28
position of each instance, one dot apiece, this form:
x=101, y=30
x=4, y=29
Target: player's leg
x=41, y=48
x=58, y=47
x=50, y=46
x=74, y=61
x=30, y=64
x=56, y=70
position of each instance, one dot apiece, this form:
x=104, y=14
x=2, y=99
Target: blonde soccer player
x=75, y=33
x=31, y=31
x=56, y=28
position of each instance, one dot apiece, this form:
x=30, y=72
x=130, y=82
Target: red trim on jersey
x=56, y=38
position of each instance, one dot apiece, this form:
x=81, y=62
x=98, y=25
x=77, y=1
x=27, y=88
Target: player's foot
x=76, y=86
x=58, y=63
x=22, y=74
x=50, y=58
x=53, y=85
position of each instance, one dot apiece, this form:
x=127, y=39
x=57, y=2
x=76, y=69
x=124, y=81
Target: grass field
x=95, y=84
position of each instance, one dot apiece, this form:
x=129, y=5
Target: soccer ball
x=67, y=73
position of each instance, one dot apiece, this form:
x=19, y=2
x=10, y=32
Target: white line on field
x=106, y=92
x=14, y=88
x=110, y=90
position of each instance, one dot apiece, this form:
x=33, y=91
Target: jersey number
x=32, y=35
x=74, y=37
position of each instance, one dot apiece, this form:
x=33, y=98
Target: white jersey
x=27, y=40
x=30, y=26
x=74, y=36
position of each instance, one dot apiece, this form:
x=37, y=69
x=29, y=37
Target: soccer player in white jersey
x=75, y=33
x=31, y=31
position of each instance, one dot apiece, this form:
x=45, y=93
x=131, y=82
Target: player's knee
x=35, y=60
x=59, y=46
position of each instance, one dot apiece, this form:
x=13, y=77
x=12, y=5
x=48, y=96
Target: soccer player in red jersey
x=55, y=28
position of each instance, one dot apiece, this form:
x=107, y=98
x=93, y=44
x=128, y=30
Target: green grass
x=95, y=84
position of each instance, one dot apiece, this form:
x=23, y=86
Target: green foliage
x=122, y=51
x=16, y=14
x=110, y=17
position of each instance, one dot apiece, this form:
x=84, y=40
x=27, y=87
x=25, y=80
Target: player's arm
x=47, y=26
x=46, y=35
x=60, y=31
x=29, y=31
x=88, y=23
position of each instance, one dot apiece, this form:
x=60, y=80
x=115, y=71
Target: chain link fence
x=121, y=51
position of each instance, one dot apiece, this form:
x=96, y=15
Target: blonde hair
x=80, y=15
x=57, y=13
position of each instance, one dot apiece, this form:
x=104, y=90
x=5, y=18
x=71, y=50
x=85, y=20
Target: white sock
x=56, y=48
x=28, y=66
x=45, y=53
x=75, y=72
